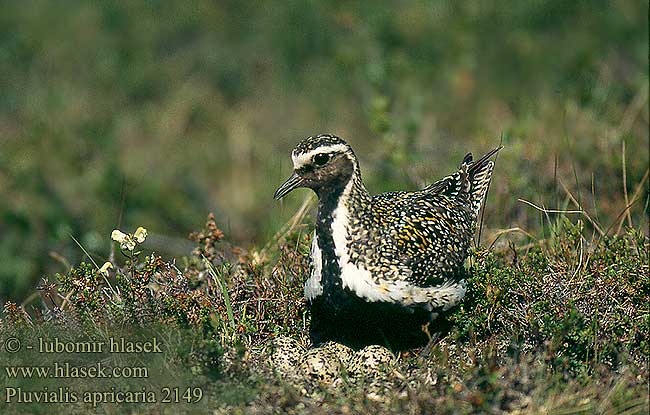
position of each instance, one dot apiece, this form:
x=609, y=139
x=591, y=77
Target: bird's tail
x=470, y=182
x=480, y=173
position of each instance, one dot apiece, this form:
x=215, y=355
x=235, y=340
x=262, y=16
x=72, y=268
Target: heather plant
x=542, y=322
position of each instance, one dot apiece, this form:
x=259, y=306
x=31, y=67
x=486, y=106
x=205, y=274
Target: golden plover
x=384, y=266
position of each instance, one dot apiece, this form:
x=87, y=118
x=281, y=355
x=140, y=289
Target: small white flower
x=104, y=269
x=118, y=236
x=128, y=243
x=140, y=235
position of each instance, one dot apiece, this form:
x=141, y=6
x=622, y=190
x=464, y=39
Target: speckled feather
x=405, y=248
x=422, y=236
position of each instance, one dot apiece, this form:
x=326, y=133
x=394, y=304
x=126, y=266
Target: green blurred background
x=126, y=114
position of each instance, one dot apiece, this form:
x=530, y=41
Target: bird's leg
x=425, y=329
x=432, y=340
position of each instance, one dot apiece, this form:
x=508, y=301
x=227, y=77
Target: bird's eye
x=321, y=159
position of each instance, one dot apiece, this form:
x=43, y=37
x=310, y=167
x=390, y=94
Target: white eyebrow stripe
x=305, y=158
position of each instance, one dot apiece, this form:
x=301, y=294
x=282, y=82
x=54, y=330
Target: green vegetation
x=557, y=325
x=122, y=114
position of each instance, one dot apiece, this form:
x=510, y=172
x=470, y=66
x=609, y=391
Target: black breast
x=340, y=315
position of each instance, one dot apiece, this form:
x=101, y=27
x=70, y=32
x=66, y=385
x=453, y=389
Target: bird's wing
x=430, y=237
x=429, y=231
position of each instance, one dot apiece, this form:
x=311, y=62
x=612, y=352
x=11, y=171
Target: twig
x=541, y=209
x=290, y=225
x=60, y=258
x=632, y=111
x=627, y=201
x=593, y=194
x=85, y=252
x=582, y=212
x=573, y=199
x=552, y=228
x=94, y=263
x=29, y=299
x=66, y=300
x=635, y=196
x=571, y=153
x=502, y=232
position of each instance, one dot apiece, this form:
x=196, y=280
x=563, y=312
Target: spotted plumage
x=382, y=266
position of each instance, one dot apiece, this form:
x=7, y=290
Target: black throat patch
x=328, y=199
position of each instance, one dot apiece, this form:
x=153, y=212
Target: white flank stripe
x=357, y=279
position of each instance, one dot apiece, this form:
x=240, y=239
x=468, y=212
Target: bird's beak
x=290, y=184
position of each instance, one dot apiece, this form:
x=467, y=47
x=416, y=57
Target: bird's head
x=322, y=163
